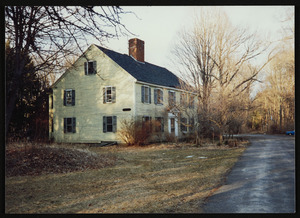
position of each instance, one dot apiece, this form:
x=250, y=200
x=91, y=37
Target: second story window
x=158, y=96
x=192, y=101
x=146, y=94
x=90, y=67
x=172, y=98
x=109, y=94
x=183, y=99
x=69, y=97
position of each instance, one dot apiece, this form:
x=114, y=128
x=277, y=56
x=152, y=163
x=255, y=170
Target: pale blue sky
x=158, y=26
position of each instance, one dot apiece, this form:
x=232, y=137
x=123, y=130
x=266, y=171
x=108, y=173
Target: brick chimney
x=136, y=49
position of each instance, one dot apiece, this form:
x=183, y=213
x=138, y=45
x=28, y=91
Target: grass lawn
x=160, y=178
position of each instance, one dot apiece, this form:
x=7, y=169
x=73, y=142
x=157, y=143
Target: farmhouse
x=89, y=101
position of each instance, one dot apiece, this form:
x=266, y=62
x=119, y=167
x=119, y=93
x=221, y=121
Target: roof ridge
x=144, y=72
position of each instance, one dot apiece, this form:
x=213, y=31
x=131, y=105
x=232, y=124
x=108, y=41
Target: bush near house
x=135, y=132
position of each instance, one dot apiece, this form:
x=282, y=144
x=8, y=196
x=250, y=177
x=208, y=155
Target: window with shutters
x=159, y=124
x=70, y=125
x=158, y=96
x=69, y=97
x=109, y=124
x=109, y=94
x=172, y=98
x=146, y=94
x=90, y=67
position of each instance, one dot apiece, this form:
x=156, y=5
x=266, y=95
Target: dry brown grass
x=165, y=178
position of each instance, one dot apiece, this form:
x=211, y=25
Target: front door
x=173, y=124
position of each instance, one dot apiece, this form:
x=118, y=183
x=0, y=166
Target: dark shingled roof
x=144, y=72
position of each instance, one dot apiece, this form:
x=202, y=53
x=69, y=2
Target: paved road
x=262, y=181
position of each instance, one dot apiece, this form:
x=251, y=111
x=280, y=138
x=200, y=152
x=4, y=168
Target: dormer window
x=90, y=67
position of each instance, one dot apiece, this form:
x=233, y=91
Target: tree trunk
x=221, y=138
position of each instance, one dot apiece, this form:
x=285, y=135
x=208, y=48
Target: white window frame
x=147, y=94
x=69, y=98
x=106, y=95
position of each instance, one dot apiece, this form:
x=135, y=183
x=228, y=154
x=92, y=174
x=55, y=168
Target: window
x=70, y=125
x=158, y=96
x=146, y=94
x=183, y=99
x=109, y=94
x=109, y=124
x=159, y=124
x=191, y=103
x=183, y=125
x=90, y=67
x=146, y=124
x=69, y=97
x=172, y=98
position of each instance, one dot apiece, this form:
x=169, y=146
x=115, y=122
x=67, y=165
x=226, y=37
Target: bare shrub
x=135, y=132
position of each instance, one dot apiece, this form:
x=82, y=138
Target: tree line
x=219, y=62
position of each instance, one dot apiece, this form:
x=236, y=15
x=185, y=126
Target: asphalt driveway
x=262, y=181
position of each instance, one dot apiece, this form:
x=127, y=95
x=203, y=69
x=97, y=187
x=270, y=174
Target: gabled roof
x=144, y=72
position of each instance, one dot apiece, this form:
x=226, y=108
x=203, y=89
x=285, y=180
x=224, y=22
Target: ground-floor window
x=109, y=124
x=146, y=123
x=159, y=124
x=70, y=125
x=183, y=125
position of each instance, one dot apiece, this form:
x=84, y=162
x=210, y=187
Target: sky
x=158, y=26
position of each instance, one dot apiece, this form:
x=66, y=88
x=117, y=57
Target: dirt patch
x=37, y=160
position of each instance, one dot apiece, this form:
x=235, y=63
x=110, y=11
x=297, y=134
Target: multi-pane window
x=159, y=124
x=70, y=125
x=109, y=124
x=183, y=125
x=187, y=100
x=69, y=97
x=172, y=98
x=90, y=67
x=158, y=96
x=146, y=94
x=109, y=94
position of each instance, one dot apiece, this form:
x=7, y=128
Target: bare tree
x=49, y=34
x=215, y=59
